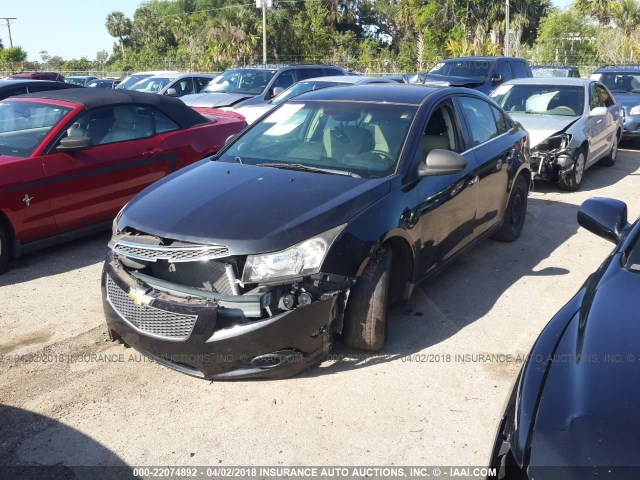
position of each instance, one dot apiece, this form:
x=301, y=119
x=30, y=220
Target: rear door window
x=480, y=119
x=502, y=69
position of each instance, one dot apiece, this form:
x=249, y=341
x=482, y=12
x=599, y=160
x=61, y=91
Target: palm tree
x=626, y=15
x=119, y=27
x=601, y=10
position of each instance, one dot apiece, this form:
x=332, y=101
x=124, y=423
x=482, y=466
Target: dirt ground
x=432, y=397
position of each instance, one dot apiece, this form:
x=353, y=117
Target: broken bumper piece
x=215, y=336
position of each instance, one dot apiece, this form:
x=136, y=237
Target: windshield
x=151, y=85
x=75, y=81
x=621, y=82
x=476, y=69
x=363, y=138
x=300, y=88
x=130, y=81
x=541, y=99
x=549, y=72
x=249, y=81
x=23, y=125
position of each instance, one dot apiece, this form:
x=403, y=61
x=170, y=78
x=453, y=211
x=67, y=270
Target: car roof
x=175, y=76
x=81, y=76
x=373, y=92
x=30, y=81
x=90, y=98
x=577, y=82
x=561, y=67
x=481, y=59
x=348, y=79
x=618, y=68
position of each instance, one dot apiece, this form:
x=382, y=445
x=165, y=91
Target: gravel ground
x=419, y=402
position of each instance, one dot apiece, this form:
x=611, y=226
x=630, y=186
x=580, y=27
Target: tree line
x=364, y=35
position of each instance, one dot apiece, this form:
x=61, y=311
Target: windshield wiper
x=307, y=168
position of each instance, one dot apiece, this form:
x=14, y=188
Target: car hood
x=588, y=413
x=627, y=100
x=433, y=79
x=247, y=208
x=542, y=126
x=211, y=100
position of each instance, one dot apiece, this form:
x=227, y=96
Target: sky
x=70, y=28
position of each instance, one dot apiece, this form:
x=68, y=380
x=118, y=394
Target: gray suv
x=255, y=85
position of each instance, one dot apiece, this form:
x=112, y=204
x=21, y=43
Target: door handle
x=472, y=181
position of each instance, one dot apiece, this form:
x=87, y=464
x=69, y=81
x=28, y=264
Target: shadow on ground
x=36, y=447
x=468, y=289
x=59, y=259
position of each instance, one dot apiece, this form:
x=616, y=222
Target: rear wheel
x=516, y=212
x=366, y=316
x=5, y=247
x=610, y=159
x=572, y=180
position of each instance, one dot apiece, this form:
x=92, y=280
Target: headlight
x=554, y=142
x=302, y=259
x=635, y=110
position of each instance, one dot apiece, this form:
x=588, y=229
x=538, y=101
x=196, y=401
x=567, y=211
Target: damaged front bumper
x=552, y=159
x=221, y=336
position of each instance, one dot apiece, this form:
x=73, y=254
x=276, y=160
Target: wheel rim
x=579, y=172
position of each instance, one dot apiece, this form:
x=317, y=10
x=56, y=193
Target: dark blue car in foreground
x=573, y=413
x=309, y=224
x=624, y=83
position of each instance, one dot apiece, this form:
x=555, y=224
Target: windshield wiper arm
x=308, y=168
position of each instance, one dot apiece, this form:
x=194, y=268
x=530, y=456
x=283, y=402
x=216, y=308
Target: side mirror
x=442, y=162
x=172, y=92
x=276, y=91
x=229, y=139
x=497, y=78
x=74, y=144
x=598, y=112
x=606, y=217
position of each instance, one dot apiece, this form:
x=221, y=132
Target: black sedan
x=11, y=88
x=573, y=413
x=309, y=223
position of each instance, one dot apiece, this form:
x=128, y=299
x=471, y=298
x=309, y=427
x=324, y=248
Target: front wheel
x=365, y=318
x=516, y=212
x=573, y=179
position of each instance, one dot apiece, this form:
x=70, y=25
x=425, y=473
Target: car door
x=91, y=185
x=447, y=204
x=596, y=127
x=493, y=151
x=611, y=119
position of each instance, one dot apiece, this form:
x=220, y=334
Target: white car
x=573, y=124
x=134, y=78
x=253, y=112
x=174, y=85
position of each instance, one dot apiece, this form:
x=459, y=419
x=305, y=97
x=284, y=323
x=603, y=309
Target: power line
x=8, y=20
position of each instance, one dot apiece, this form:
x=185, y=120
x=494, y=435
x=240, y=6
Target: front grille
x=147, y=319
x=153, y=253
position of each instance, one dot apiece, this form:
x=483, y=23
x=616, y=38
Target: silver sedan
x=573, y=124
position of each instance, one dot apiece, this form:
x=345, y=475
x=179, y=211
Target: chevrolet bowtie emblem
x=139, y=297
x=27, y=199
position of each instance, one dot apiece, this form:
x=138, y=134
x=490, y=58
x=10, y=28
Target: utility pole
x=506, y=30
x=8, y=20
x=264, y=31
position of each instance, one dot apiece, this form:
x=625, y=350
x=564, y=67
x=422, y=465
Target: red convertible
x=70, y=159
